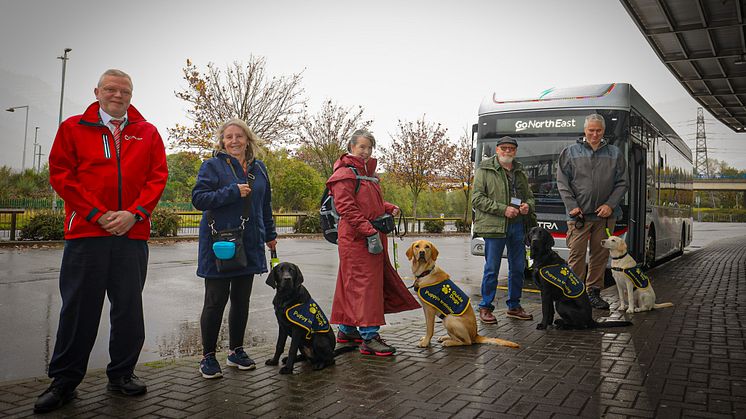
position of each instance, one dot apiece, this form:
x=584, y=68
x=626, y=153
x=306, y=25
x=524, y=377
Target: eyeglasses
x=507, y=149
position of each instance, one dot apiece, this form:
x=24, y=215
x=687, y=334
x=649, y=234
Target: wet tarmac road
x=30, y=302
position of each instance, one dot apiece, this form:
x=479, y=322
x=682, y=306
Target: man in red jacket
x=109, y=166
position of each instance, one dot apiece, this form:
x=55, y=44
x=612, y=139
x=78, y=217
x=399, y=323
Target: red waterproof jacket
x=368, y=286
x=91, y=178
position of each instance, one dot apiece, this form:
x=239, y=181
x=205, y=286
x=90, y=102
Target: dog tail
x=344, y=349
x=663, y=305
x=613, y=323
x=496, y=341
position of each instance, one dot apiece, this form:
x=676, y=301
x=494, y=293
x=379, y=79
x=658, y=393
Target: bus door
x=637, y=201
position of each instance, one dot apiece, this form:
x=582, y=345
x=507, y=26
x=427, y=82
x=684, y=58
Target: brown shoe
x=519, y=313
x=486, y=316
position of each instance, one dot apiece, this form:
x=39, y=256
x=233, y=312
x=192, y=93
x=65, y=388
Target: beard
x=505, y=159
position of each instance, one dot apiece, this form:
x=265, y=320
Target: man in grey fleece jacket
x=592, y=180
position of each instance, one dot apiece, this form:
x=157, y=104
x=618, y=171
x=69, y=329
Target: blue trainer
x=239, y=358
x=210, y=367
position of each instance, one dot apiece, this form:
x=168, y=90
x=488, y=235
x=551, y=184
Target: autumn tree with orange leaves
x=270, y=105
x=418, y=156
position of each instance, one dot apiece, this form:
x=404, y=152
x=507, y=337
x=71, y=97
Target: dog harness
x=636, y=275
x=562, y=277
x=309, y=316
x=446, y=297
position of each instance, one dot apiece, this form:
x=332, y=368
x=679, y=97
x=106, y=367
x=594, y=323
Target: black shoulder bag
x=227, y=245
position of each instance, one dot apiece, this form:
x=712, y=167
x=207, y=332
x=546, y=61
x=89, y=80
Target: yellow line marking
x=504, y=288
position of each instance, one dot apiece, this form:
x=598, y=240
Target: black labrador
x=300, y=318
x=570, y=300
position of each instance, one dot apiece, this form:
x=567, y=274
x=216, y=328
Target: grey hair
x=114, y=73
x=360, y=133
x=594, y=117
x=252, y=140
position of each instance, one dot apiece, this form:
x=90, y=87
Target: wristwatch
x=138, y=217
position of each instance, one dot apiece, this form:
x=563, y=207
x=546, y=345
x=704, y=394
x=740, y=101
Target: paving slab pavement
x=685, y=361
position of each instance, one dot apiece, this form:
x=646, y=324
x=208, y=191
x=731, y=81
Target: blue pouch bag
x=224, y=250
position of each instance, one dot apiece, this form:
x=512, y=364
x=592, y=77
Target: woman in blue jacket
x=232, y=174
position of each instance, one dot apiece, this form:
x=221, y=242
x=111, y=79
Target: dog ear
x=433, y=252
x=548, y=243
x=298, y=276
x=272, y=278
x=410, y=251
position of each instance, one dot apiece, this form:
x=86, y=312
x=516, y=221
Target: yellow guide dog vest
x=308, y=316
x=562, y=277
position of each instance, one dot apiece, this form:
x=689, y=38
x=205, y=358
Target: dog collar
x=620, y=257
x=424, y=274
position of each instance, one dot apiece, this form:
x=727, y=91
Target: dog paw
x=423, y=343
x=442, y=338
x=631, y=310
x=638, y=309
x=270, y=362
x=541, y=326
x=286, y=370
x=622, y=307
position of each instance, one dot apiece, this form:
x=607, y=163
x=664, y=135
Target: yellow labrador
x=634, y=287
x=440, y=296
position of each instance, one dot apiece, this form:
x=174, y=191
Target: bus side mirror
x=473, y=154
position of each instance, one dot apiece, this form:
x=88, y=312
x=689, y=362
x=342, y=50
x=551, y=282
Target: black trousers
x=91, y=269
x=217, y=292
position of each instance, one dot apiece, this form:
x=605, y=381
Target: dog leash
x=273, y=259
x=398, y=235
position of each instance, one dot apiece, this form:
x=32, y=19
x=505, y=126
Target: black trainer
x=129, y=385
x=594, y=295
x=53, y=398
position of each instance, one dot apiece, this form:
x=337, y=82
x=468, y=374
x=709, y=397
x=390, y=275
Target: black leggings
x=216, y=296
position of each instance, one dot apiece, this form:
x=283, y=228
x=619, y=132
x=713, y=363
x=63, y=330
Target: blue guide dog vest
x=562, y=277
x=636, y=275
x=446, y=297
x=308, y=316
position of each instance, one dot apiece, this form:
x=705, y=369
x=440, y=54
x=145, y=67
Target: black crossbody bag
x=231, y=238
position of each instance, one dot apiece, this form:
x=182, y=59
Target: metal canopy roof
x=703, y=43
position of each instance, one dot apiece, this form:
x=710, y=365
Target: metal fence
x=13, y=220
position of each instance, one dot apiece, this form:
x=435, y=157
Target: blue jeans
x=493, y=251
x=366, y=332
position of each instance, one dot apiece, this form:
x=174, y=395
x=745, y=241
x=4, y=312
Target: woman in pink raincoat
x=368, y=286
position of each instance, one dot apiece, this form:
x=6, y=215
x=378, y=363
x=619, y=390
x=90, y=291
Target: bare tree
x=323, y=136
x=269, y=105
x=418, y=156
x=460, y=169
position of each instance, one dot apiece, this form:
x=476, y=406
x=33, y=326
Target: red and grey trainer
x=343, y=337
x=376, y=346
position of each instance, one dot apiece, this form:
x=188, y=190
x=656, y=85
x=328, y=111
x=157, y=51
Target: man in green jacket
x=502, y=201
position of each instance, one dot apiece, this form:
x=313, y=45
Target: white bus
x=657, y=209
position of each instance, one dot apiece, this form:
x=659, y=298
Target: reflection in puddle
x=187, y=340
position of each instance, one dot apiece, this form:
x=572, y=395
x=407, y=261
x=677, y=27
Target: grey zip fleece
x=588, y=179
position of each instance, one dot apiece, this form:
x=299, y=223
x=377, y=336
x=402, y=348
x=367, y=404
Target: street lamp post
x=64, y=59
x=25, y=133
x=36, y=143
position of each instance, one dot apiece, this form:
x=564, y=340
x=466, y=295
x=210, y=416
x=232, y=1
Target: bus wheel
x=650, y=250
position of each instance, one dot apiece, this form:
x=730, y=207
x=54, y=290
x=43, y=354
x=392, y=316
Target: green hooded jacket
x=491, y=197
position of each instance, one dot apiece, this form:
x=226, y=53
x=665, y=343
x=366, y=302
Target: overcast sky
x=398, y=59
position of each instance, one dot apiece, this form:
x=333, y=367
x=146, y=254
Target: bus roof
x=594, y=96
x=620, y=96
